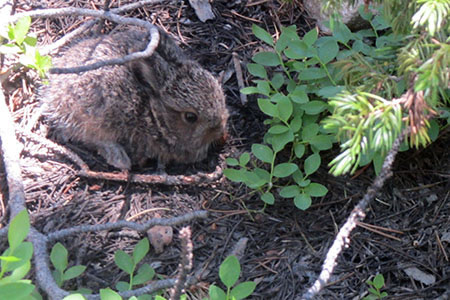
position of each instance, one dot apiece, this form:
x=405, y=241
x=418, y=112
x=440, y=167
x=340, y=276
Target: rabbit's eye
x=190, y=117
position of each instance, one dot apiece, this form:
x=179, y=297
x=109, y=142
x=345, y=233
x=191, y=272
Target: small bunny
x=165, y=106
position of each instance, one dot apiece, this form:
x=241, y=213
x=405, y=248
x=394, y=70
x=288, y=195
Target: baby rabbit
x=165, y=106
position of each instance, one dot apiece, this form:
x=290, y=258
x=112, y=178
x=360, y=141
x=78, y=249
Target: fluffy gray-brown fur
x=165, y=106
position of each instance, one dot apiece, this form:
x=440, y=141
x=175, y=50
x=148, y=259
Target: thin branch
x=58, y=12
x=201, y=214
x=185, y=263
x=358, y=214
x=11, y=150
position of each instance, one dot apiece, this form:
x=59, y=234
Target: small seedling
x=59, y=259
x=375, y=290
x=22, y=44
x=15, y=261
x=229, y=273
x=129, y=263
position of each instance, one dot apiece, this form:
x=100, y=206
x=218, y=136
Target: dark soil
x=406, y=229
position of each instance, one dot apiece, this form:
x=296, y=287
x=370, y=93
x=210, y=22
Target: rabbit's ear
x=151, y=72
x=168, y=49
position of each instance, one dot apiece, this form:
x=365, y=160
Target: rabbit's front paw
x=115, y=155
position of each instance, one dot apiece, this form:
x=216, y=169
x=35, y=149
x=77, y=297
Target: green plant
x=300, y=73
x=375, y=289
x=229, y=272
x=59, y=260
x=15, y=261
x=129, y=263
x=396, y=76
x=21, y=43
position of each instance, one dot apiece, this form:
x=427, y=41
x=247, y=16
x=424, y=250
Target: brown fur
x=136, y=111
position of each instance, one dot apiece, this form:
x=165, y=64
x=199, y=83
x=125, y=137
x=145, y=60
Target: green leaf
x=73, y=272
x=249, y=90
x=296, y=122
x=304, y=182
x=231, y=161
x=140, y=250
x=378, y=160
x=262, y=34
x=243, y=290
x=366, y=15
x=108, y=294
x=58, y=277
x=229, y=271
x=122, y=286
x=244, y=159
x=267, y=107
x=311, y=37
x=278, y=141
x=299, y=150
x=433, y=131
x=235, y=175
x=18, y=229
x=297, y=50
x=299, y=96
x=277, y=80
x=328, y=51
x=316, y=190
x=314, y=107
x=312, y=73
x=268, y=198
x=302, y=201
x=144, y=274
x=257, y=70
x=277, y=129
x=342, y=33
x=16, y=290
x=269, y=59
x=284, y=170
x=285, y=108
x=312, y=163
x=263, y=153
x=216, y=293
x=378, y=281
x=74, y=297
x=58, y=257
x=21, y=29
x=288, y=34
x=17, y=274
x=290, y=191
x=9, y=258
x=310, y=131
x=321, y=142
x=258, y=177
x=330, y=91
x=263, y=87
x=31, y=41
x=124, y=261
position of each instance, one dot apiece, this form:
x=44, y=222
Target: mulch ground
x=405, y=236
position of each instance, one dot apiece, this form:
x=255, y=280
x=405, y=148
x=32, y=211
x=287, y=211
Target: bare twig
x=122, y=224
x=239, y=77
x=11, y=150
x=57, y=12
x=185, y=264
x=358, y=214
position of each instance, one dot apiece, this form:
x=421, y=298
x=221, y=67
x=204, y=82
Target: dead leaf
x=202, y=9
x=419, y=275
